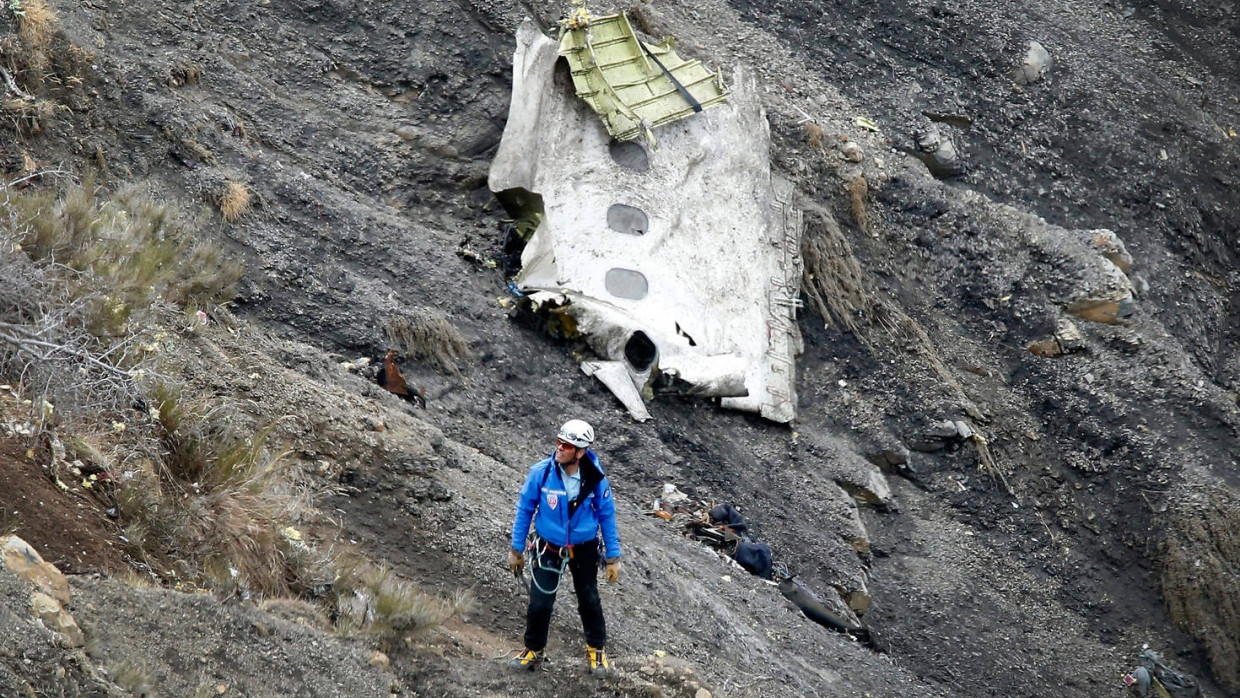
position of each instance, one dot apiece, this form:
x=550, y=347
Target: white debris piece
x=683, y=258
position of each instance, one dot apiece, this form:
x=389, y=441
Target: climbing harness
x=536, y=548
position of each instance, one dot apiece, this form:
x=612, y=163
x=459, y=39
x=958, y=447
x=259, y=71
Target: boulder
x=26, y=563
x=1068, y=336
x=55, y=617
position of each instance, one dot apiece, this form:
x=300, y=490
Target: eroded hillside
x=1087, y=508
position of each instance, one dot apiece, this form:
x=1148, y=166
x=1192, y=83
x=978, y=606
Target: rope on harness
x=538, y=547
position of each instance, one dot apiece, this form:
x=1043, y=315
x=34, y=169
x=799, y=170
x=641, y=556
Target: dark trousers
x=583, y=565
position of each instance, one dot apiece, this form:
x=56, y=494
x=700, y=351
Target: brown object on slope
x=393, y=381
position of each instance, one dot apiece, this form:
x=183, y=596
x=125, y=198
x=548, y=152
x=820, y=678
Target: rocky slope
x=1090, y=517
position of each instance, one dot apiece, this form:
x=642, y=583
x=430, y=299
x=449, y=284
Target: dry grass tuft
x=373, y=601
x=858, y=194
x=813, y=135
x=833, y=282
x=27, y=115
x=234, y=201
x=426, y=335
x=132, y=678
x=297, y=611
x=184, y=72
x=36, y=25
x=208, y=505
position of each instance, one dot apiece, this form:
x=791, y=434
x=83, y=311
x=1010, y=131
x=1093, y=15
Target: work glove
x=516, y=561
x=612, y=574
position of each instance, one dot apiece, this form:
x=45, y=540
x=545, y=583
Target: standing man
x=569, y=500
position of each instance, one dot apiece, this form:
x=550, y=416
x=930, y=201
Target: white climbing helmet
x=577, y=433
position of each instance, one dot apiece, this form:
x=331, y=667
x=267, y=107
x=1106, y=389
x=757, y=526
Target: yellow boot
x=529, y=660
x=599, y=665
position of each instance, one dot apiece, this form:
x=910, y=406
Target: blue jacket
x=560, y=522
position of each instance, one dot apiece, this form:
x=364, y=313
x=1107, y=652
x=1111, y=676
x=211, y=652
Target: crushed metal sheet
x=632, y=85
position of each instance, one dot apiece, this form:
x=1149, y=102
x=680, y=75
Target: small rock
x=1045, y=347
x=1034, y=67
x=938, y=152
x=888, y=457
x=380, y=660
x=1069, y=336
x=702, y=693
x=647, y=670
x=851, y=152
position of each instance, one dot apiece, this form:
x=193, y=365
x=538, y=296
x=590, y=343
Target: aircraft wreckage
x=675, y=253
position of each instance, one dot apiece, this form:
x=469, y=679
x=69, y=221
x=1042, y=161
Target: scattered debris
x=1154, y=678
x=866, y=124
x=851, y=152
x=722, y=527
x=392, y=380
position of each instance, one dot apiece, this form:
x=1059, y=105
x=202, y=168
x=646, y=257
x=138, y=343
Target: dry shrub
x=127, y=251
x=813, y=135
x=858, y=194
x=39, y=67
x=133, y=678
x=234, y=201
x=184, y=72
x=209, y=507
x=36, y=24
x=26, y=109
x=36, y=29
x=1201, y=575
x=373, y=601
x=832, y=280
x=426, y=335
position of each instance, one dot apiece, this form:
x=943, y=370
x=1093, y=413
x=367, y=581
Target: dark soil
x=69, y=529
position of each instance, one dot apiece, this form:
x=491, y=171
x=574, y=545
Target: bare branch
x=25, y=343
x=35, y=175
x=12, y=85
